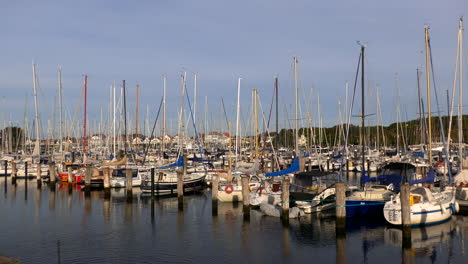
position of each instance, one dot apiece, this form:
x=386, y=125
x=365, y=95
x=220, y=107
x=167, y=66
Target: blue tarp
x=293, y=168
x=178, y=163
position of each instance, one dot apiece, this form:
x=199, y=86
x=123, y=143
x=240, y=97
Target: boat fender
x=260, y=191
x=455, y=207
x=229, y=189
x=443, y=209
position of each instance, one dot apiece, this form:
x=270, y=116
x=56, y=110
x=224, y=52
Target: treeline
x=408, y=133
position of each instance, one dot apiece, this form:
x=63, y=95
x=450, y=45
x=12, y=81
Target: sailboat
x=427, y=207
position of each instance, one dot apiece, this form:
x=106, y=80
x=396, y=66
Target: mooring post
x=347, y=168
x=340, y=188
x=70, y=175
x=302, y=162
x=88, y=180
x=152, y=183
x=14, y=172
x=52, y=176
x=180, y=189
x=26, y=171
x=405, y=214
x=285, y=200
x=38, y=175
x=128, y=184
x=107, y=183
x=214, y=194
x=245, y=196
x=184, y=167
x=5, y=168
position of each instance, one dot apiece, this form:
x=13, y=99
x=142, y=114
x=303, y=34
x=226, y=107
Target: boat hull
x=168, y=188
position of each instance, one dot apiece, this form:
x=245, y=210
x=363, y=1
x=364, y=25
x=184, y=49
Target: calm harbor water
x=41, y=226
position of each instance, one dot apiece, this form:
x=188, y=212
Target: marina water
x=40, y=225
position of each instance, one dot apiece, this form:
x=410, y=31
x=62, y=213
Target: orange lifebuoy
x=229, y=188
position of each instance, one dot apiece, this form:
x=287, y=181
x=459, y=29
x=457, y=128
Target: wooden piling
x=152, y=183
x=129, y=184
x=405, y=214
x=5, y=168
x=107, y=183
x=347, y=168
x=302, y=161
x=87, y=180
x=285, y=200
x=214, y=194
x=52, y=173
x=38, y=175
x=52, y=176
x=26, y=171
x=14, y=172
x=245, y=196
x=340, y=189
x=184, y=167
x=70, y=175
x=180, y=188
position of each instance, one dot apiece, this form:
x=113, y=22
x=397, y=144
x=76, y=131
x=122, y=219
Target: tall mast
x=460, y=103
x=85, y=114
x=37, y=147
x=125, y=115
x=238, y=118
x=363, y=112
x=256, y=122
x=297, y=108
x=195, y=99
x=428, y=86
x=277, y=133
x=136, y=118
x=164, y=114
x=60, y=106
x=113, y=130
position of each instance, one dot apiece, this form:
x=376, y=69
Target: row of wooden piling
x=340, y=191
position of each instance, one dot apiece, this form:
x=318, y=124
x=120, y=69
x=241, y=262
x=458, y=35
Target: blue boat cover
x=178, y=163
x=293, y=168
x=418, y=154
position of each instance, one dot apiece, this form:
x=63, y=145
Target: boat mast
x=460, y=103
x=256, y=122
x=363, y=154
x=428, y=87
x=113, y=130
x=297, y=108
x=164, y=115
x=136, y=118
x=85, y=115
x=37, y=147
x=61, y=110
x=237, y=119
x=125, y=115
x=277, y=133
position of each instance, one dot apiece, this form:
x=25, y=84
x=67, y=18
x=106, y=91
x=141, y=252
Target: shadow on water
x=147, y=230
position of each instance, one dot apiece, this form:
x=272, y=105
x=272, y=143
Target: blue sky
x=139, y=41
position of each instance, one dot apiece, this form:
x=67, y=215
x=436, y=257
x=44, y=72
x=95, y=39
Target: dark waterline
x=41, y=226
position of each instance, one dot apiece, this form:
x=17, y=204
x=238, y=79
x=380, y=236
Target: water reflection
x=113, y=227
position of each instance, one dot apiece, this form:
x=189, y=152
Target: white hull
x=121, y=182
x=235, y=196
x=433, y=210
